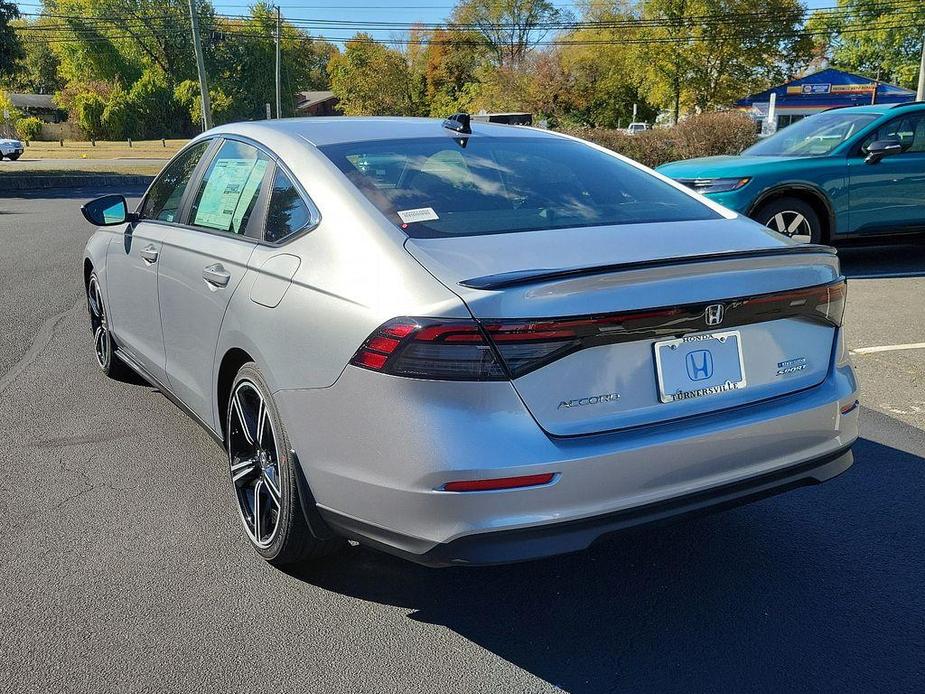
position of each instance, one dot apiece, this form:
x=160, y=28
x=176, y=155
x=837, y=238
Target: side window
x=287, y=212
x=229, y=189
x=163, y=200
x=908, y=130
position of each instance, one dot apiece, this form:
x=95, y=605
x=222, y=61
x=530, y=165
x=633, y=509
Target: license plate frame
x=728, y=343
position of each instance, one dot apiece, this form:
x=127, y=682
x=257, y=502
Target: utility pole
x=201, y=68
x=920, y=93
x=279, y=113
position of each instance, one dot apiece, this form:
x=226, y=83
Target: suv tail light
x=497, y=349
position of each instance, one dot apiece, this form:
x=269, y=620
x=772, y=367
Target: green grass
x=142, y=149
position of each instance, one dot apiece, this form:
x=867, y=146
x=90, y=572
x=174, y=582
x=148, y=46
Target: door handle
x=216, y=275
x=149, y=253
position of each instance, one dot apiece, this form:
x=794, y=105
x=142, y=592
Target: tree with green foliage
x=9, y=115
x=510, y=29
x=187, y=95
x=113, y=39
x=38, y=70
x=88, y=109
x=447, y=72
x=10, y=47
x=240, y=56
x=132, y=56
x=889, y=47
x=697, y=64
x=370, y=78
x=603, y=77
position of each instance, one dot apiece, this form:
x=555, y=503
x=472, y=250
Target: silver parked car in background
x=11, y=149
x=468, y=343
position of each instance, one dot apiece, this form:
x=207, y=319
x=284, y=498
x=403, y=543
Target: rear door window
x=163, y=199
x=229, y=189
x=287, y=212
x=442, y=186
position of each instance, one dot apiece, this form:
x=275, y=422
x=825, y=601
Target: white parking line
x=888, y=348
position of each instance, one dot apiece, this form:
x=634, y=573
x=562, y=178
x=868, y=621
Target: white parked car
x=634, y=128
x=11, y=149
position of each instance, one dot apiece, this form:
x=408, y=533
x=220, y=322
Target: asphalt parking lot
x=125, y=568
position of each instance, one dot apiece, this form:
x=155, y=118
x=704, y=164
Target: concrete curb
x=39, y=182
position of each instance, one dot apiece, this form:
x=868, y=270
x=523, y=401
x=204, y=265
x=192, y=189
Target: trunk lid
x=672, y=273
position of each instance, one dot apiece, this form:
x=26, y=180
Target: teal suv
x=838, y=174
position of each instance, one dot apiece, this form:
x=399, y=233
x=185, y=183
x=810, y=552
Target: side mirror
x=879, y=149
x=107, y=211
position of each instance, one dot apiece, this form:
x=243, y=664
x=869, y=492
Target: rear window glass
x=436, y=187
x=287, y=213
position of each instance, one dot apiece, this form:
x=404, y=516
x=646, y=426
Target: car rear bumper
x=376, y=450
x=525, y=544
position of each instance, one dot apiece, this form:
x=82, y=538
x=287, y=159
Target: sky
x=404, y=11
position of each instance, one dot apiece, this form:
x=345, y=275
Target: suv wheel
x=791, y=217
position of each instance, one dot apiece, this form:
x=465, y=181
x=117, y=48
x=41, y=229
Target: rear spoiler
x=502, y=280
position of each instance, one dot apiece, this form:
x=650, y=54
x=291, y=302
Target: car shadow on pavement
x=900, y=258
x=818, y=589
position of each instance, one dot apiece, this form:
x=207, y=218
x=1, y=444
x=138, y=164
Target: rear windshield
x=441, y=186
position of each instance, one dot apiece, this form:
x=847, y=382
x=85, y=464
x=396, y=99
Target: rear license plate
x=696, y=366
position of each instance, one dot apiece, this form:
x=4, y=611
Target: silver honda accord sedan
x=468, y=343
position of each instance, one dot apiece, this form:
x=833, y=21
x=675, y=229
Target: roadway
x=126, y=568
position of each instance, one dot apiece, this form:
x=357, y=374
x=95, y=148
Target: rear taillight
x=497, y=349
x=825, y=303
x=453, y=350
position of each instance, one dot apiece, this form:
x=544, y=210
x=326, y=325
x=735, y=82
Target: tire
x=103, y=344
x=264, y=476
x=791, y=217
x=12, y=157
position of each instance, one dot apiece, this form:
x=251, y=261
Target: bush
x=186, y=95
x=29, y=128
x=118, y=121
x=152, y=106
x=703, y=135
x=88, y=109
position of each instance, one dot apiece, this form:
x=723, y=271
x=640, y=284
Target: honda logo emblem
x=700, y=365
x=713, y=314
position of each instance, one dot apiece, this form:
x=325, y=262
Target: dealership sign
x=812, y=89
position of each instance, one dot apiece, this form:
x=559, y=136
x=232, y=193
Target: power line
x=732, y=17
x=461, y=42
x=93, y=29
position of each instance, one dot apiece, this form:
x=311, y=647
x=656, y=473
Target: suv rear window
x=437, y=187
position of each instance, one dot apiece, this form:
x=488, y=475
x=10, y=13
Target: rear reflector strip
x=851, y=408
x=500, y=483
